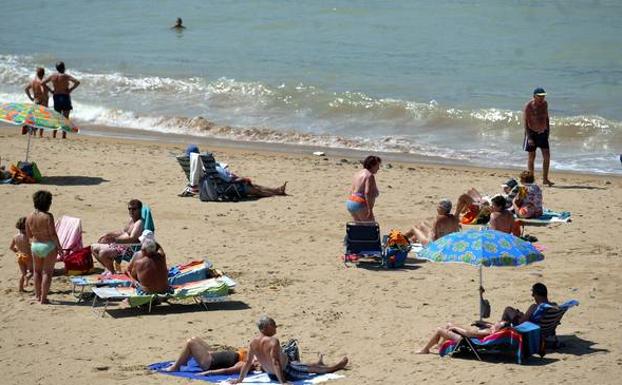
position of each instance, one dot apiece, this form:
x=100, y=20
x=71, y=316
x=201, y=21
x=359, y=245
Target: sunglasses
x=132, y=208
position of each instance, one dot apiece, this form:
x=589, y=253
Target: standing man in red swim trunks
x=536, y=116
x=63, y=86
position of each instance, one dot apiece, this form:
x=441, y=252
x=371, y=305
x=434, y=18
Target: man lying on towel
x=265, y=347
x=148, y=268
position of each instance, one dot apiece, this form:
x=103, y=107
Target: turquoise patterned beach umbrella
x=481, y=248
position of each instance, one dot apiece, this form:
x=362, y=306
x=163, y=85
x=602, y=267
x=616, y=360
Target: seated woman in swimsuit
x=455, y=333
x=528, y=202
x=210, y=360
x=501, y=219
x=360, y=203
x=114, y=244
x=44, y=243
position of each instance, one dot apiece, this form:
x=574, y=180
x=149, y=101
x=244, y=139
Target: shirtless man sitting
x=40, y=94
x=113, y=245
x=265, y=347
x=63, y=86
x=501, y=219
x=445, y=223
x=149, y=269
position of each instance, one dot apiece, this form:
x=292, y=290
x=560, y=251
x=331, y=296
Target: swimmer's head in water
x=179, y=22
x=60, y=67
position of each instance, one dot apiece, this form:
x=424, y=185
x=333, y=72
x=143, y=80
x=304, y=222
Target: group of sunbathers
x=522, y=200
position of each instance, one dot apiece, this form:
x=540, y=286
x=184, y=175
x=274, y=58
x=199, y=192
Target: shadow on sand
x=410, y=264
x=577, y=187
x=70, y=180
x=174, y=308
x=577, y=346
x=569, y=345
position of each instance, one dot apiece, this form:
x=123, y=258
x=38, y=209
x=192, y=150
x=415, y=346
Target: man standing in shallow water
x=63, y=86
x=537, y=127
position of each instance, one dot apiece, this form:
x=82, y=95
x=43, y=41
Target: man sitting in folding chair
x=115, y=244
x=540, y=294
x=248, y=187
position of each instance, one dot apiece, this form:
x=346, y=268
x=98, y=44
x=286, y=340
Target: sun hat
x=539, y=91
x=511, y=183
x=147, y=234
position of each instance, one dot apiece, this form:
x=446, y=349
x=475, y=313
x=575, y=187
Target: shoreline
x=122, y=133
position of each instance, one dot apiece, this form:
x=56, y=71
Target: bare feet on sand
x=548, y=183
x=172, y=368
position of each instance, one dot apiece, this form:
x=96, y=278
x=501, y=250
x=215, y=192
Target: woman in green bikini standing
x=41, y=231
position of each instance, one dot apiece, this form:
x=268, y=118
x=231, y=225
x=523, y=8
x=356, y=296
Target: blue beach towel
x=192, y=369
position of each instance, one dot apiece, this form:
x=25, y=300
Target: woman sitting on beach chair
x=456, y=332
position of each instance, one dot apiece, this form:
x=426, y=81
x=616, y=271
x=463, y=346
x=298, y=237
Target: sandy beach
x=284, y=253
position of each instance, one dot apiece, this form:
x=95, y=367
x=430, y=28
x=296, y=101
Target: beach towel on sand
x=548, y=217
x=192, y=369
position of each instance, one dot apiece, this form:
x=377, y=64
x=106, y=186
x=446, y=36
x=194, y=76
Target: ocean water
x=443, y=78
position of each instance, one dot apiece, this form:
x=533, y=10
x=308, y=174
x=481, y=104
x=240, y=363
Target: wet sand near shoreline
x=284, y=254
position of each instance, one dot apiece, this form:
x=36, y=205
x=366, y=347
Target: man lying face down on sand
x=265, y=347
x=445, y=223
x=114, y=244
x=148, y=268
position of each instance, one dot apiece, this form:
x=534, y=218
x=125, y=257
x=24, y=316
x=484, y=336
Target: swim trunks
x=140, y=290
x=355, y=203
x=62, y=102
x=42, y=249
x=539, y=140
x=293, y=371
x=24, y=259
x=224, y=359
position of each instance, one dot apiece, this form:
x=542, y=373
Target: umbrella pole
x=481, y=294
x=28, y=146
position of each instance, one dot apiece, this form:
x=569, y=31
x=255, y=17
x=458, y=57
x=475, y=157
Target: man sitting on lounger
x=266, y=349
x=445, y=223
x=149, y=269
x=539, y=293
x=248, y=187
x=114, y=244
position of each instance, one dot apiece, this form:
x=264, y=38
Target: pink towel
x=69, y=230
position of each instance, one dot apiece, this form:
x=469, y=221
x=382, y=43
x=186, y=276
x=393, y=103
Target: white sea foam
x=305, y=114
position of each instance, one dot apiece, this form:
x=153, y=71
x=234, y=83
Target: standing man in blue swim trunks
x=63, y=86
x=536, y=118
